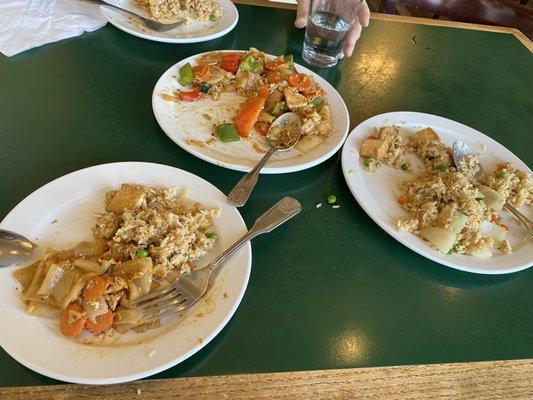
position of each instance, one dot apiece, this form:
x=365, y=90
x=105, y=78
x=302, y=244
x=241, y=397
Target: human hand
x=362, y=20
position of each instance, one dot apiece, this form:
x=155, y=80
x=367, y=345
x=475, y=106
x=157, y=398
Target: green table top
x=330, y=289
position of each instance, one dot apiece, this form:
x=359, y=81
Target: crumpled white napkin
x=25, y=24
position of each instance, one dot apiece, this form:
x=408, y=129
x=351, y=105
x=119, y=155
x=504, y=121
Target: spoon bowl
x=279, y=140
x=14, y=248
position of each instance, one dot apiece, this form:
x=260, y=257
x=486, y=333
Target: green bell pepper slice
x=227, y=133
x=251, y=64
x=278, y=109
x=289, y=61
x=186, y=75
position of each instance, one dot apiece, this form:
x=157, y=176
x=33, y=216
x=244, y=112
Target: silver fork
x=190, y=288
x=149, y=23
x=460, y=150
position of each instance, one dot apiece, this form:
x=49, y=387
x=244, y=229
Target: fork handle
x=276, y=215
x=521, y=217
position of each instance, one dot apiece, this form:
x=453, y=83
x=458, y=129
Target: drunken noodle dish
x=146, y=239
x=445, y=204
x=269, y=86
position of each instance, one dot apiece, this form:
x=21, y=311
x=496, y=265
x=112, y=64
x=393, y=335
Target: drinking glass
x=328, y=24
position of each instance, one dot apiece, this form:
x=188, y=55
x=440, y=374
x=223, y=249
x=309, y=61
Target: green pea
x=142, y=253
x=504, y=175
x=332, y=199
x=441, y=167
x=404, y=166
x=212, y=235
x=213, y=17
x=480, y=199
x=367, y=161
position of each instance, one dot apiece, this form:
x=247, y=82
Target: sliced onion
x=441, y=238
x=492, y=198
x=491, y=230
x=94, y=309
x=53, y=276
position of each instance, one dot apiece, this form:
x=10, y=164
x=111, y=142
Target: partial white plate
x=192, y=32
x=59, y=215
x=187, y=125
x=377, y=192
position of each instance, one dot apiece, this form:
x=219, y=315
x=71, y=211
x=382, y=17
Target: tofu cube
x=127, y=198
x=374, y=148
x=426, y=135
x=294, y=100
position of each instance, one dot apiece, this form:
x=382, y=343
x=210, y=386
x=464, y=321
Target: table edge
x=415, y=20
x=472, y=380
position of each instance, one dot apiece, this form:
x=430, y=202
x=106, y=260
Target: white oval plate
x=376, y=192
x=186, y=124
x=59, y=214
x=193, y=32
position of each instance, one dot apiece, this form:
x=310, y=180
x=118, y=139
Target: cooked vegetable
x=404, y=166
x=441, y=238
x=191, y=95
x=496, y=232
x=273, y=76
x=278, y=109
x=278, y=64
x=52, y=277
x=214, y=17
x=485, y=252
x=504, y=175
x=459, y=221
x=230, y=62
x=72, y=320
x=227, y=133
x=201, y=73
x=95, y=288
x=263, y=91
x=141, y=253
x=94, y=308
x=212, y=235
x=401, y=199
x=332, y=199
x=289, y=62
x=262, y=127
x=492, y=198
x=441, y=167
x=249, y=63
x=247, y=117
x=317, y=101
x=186, y=75
x=101, y=324
x=367, y=161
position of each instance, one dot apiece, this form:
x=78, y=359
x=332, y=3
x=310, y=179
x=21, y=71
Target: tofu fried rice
x=445, y=206
x=171, y=10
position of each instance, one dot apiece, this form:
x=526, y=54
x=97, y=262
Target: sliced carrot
x=301, y=82
x=103, y=323
x=95, y=288
x=76, y=327
x=263, y=91
x=201, y=73
x=401, y=199
x=247, y=117
x=276, y=65
x=273, y=76
x=262, y=127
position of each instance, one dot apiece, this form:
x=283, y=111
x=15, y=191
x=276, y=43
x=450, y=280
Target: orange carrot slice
x=247, y=117
x=95, y=288
x=401, y=199
x=103, y=323
x=75, y=327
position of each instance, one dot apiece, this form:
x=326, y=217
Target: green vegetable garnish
x=441, y=167
x=142, y=253
x=480, y=199
x=278, y=109
x=317, y=101
x=367, y=161
x=504, y=175
x=227, y=133
x=289, y=60
x=213, y=17
x=332, y=199
x=454, y=248
x=212, y=235
x=404, y=166
x=186, y=75
x=251, y=64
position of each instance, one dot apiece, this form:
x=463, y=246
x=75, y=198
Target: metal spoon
x=149, y=23
x=461, y=150
x=14, y=248
x=241, y=192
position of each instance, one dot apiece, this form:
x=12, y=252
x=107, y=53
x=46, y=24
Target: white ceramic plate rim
x=43, y=370
x=351, y=162
x=228, y=5
x=266, y=169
